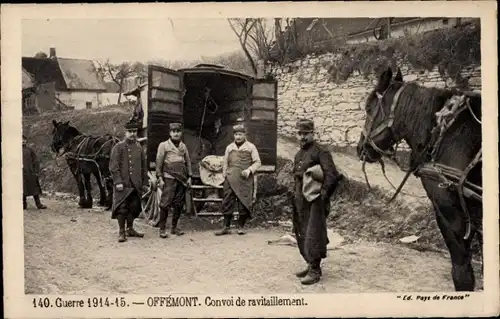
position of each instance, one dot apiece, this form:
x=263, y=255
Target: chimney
x=52, y=53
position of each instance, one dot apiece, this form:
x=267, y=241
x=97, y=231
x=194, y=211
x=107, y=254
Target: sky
x=129, y=40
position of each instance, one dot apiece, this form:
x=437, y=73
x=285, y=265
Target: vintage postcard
x=228, y=160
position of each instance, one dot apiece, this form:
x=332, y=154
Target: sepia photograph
x=293, y=155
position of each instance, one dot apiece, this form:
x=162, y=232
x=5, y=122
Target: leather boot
x=163, y=233
x=121, y=232
x=176, y=231
x=314, y=274
x=227, y=226
x=175, y=220
x=241, y=224
x=131, y=232
x=223, y=231
x=303, y=273
x=38, y=203
x=163, y=222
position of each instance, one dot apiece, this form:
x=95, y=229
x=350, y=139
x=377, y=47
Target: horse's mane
x=73, y=131
x=416, y=107
x=418, y=104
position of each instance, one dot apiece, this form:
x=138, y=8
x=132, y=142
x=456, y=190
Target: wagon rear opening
x=209, y=101
x=212, y=105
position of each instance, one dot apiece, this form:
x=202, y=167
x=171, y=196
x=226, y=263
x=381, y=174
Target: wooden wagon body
x=209, y=100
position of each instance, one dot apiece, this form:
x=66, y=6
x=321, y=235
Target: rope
x=382, y=165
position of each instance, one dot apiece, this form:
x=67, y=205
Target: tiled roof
x=27, y=80
x=44, y=71
x=80, y=74
x=68, y=74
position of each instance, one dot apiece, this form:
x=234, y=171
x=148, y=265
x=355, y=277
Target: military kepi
x=175, y=126
x=305, y=125
x=132, y=125
x=239, y=128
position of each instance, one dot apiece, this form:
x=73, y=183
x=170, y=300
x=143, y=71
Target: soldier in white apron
x=241, y=161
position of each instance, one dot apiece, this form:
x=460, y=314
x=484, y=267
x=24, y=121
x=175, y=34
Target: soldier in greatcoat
x=173, y=171
x=241, y=161
x=31, y=171
x=129, y=172
x=310, y=212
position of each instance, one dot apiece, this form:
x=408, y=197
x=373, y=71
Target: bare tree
x=242, y=27
x=286, y=41
x=255, y=37
x=118, y=73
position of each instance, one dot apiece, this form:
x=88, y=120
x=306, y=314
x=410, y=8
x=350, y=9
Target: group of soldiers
x=315, y=174
x=174, y=172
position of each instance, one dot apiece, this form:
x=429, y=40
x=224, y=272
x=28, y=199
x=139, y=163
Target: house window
x=88, y=105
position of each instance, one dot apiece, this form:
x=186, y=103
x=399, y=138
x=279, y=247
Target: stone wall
x=338, y=109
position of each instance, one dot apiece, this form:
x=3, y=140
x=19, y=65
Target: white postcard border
x=347, y=305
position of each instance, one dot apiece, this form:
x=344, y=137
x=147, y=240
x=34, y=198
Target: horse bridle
x=387, y=123
x=65, y=148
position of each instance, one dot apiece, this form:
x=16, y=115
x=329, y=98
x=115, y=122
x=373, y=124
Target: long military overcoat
x=31, y=169
x=309, y=218
x=128, y=167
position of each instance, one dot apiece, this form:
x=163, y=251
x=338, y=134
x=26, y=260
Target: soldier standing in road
x=173, y=171
x=310, y=212
x=129, y=172
x=31, y=171
x=241, y=161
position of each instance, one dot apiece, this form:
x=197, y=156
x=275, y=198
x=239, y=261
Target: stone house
x=63, y=82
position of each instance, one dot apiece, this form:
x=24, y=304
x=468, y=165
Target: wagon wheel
x=151, y=202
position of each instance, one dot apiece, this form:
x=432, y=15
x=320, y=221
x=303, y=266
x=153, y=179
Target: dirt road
x=73, y=251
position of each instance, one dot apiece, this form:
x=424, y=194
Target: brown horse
x=445, y=141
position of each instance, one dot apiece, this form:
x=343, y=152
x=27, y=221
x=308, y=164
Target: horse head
x=62, y=134
x=378, y=138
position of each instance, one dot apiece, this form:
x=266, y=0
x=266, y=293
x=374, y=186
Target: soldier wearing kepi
x=129, y=172
x=241, y=161
x=311, y=205
x=173, y=171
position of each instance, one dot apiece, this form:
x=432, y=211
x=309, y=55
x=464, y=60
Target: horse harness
x=425, y=164
x=78, y=156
